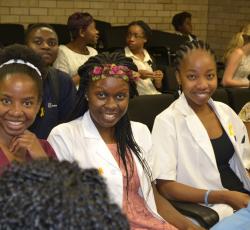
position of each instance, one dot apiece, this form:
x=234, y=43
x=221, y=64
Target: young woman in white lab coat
x=201, y=146
x=103, y=137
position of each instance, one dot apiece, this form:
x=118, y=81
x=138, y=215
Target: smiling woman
x=21, y=74
x=103, y=137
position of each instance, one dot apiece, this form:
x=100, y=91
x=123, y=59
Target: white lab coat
x=183, y=151
x=80, y=141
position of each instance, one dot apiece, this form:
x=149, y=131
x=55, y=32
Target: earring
x=86, y=97
x=179, y=89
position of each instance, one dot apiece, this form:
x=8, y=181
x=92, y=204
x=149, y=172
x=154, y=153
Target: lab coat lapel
x=196, y=129
x=97, y=145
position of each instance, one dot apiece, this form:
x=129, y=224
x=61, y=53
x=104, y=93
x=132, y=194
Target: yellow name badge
x=100, y=171
x=230, y=130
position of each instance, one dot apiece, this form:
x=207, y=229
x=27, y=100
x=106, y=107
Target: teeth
x=16, y=123
x=109, y=116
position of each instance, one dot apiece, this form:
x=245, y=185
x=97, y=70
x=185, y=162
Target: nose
x=111, y=103
x=203, y=83
x=16, y=110
x=45, y=45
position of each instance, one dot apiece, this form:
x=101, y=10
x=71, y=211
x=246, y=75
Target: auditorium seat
x=11, y=33
x=145, y=108
x=238, y=97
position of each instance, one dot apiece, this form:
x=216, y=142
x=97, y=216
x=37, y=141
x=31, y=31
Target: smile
x=14, y=124
x=110, y=116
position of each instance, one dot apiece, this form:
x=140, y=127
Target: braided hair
x=123, y=133
x=55, y=195
x=189, y=46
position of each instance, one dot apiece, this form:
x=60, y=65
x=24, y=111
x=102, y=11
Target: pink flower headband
x=112, y=70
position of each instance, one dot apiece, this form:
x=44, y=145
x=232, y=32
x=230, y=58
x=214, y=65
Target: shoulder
x=67, y=129
x=57, y=73
x=92, y=51
x=237, y=53
x=138, y=126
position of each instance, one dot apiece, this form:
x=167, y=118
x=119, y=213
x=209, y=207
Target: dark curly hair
x=77, y=21
x=179, y=19
x=14, y=52
x=56, y=195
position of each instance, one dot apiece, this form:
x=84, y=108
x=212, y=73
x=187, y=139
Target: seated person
x=59, y=90
x=182, y=23
x=72, y=55
x=201, y=146
x=237, y=60
x=21, y=76
x=101, y=136
x=150, y=78
x=56, y=195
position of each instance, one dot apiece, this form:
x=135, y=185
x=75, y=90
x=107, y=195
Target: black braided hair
x=188, y=46
x=55, y=195
x=123, y=132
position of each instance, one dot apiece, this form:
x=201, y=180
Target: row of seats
x=145, y=108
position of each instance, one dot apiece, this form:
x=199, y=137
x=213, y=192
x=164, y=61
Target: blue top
x=59, y=96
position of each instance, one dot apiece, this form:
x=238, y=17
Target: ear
x=177, y=75
x=82, y=33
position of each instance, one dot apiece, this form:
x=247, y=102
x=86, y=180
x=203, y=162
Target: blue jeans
x=240, y=220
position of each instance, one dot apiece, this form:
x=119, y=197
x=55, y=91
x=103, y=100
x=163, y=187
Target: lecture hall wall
x=213, y=20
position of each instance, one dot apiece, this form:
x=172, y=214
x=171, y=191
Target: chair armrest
x=205, y=216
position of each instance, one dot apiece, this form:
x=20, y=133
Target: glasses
x=136, y=36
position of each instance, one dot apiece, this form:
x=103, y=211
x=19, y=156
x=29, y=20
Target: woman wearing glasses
x=150, y=81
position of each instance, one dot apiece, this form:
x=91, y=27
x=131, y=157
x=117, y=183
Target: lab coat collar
x=97, y=145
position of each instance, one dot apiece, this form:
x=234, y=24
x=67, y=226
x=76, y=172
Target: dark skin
x=79, y=44
x=198, y=78
x=19, y=104
x=136, y=40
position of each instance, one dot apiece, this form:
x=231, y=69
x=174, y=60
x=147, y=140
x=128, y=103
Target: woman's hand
x=27, y=142
x=157, y=77
x=146, y=74
x=236, y=200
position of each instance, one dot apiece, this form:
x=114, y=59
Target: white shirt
x=183, y=151
x=80, y=141
x=69, y=61
x=144, y=86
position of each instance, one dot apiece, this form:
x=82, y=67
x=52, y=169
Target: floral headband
x=112, y=70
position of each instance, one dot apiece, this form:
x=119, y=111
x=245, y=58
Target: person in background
x=182, y=23
x=59, y=90
x=101, y=136
x=196, y=135
x=150, y=81
x=56, y=195
x=21, y=77
x=72, y=55
x=237, y=60
x=237, y=71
